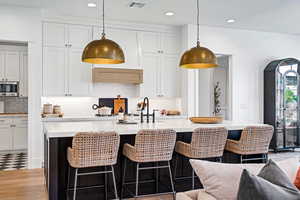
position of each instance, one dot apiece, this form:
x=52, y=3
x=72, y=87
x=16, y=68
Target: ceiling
x=265, y=15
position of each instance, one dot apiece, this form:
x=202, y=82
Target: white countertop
x=78, y=118
x=69, y=129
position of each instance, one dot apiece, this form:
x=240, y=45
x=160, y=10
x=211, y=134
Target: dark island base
x=56, y=166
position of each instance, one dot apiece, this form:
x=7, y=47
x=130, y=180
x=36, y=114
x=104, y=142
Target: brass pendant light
x=198, y=57
x=103, y=51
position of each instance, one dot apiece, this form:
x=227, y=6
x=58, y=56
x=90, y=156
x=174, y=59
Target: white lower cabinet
x=20, y=137
x=6, y=138
x=13, y=134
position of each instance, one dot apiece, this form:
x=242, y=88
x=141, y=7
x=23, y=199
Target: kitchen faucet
x=146, y=103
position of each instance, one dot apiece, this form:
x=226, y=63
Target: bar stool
x=93, y=150
x=206, y=143
x=150, y=146
x=253, y=140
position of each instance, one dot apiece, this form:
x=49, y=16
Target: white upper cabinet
x=55, y=35
x=171, y=81
x=150, y=86
x=79, y=36
x=65, y=35
x=54, y=70
x=171, y=44
x=150, y=42
x=12, y=66
x=128, y=41
x=79, y=74
x=23, y=74
x=64, y=74
x=166, y=49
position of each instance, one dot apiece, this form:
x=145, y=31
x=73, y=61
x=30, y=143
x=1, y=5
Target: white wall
x=24, y=25
x=251, y=51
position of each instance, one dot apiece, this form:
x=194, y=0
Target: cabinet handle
x=66, y=45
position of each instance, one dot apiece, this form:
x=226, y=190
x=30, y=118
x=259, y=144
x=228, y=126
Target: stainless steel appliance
x=9, y=88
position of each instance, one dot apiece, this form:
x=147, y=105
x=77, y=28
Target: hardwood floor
x=22, y=185
x=30, y=185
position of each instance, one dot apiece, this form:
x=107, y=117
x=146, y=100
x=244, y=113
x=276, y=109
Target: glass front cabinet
x=281, y=102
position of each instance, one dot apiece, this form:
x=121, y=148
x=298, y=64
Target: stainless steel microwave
x=9, y=88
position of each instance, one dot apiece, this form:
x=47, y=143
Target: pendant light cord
x=198, y=23
x=103, y=22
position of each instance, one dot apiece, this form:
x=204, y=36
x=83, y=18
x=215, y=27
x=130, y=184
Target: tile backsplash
x=15, y=104
x=82, y=106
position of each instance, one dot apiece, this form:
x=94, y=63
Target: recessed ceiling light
x=92, y=5
x=169, y=13
x=230, y=21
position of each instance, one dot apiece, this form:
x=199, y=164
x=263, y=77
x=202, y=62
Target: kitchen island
x=58, y=136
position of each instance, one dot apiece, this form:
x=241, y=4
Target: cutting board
x=118, y=104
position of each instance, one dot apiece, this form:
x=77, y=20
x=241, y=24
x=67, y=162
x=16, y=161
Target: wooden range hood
x=113, y=75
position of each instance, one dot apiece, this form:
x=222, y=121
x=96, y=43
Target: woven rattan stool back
x=155, y=145
x=94, y=149
x=208, y=142
x=255, y=139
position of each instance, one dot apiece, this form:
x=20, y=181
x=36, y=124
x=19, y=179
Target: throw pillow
x=270, y=184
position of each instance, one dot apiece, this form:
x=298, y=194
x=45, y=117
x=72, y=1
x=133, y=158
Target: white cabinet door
x=54, y=35
x=79, y=74
x=12, y=66
x=128, y=41
x=20, y=137
x=23, y=74
x=171, y=44
x=170, y=76
x=5, y=137
x=150, y=42
x=2, y=65
x=150, y=63
x=79, y=36
x=54, y=71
